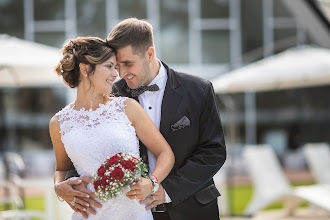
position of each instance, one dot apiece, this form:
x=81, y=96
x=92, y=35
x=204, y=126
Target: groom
x=184, y=109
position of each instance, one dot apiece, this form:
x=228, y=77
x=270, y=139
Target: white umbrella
x=296, y=67
x=27, y=64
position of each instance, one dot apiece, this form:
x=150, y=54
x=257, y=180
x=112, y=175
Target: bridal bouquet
x=116, y=173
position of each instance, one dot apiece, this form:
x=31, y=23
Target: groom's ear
x=150, y=54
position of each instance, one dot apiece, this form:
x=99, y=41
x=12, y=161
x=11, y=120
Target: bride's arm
x=148, y=133
x=64, y=188
x=63, y=162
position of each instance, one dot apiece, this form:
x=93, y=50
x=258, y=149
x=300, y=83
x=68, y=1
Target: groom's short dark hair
x=134, y=32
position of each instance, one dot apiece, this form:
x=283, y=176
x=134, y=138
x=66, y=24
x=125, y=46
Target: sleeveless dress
x=89, y=138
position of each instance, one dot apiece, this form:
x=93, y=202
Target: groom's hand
x=85, y=204
x=155, y=198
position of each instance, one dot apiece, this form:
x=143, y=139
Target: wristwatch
x=155, y=184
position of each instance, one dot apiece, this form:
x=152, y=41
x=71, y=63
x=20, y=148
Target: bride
x=96, y=126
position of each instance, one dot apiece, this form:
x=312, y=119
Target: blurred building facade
x=202, y=37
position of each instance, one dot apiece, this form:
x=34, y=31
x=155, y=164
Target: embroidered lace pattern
x=89, y=137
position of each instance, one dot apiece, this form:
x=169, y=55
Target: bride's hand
x=90, y=202
x=76, y=190
x=67, y=193
x=140, y=189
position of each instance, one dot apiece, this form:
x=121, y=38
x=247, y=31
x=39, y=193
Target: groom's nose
x=122, y=72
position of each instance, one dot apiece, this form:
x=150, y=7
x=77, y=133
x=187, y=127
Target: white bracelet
x=59, y=198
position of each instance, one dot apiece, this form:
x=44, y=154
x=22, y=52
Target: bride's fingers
x=91, y=210
x=73, y=208
x=85, y=209
x=83, y=213
x=86, y=179
x=92, y=202
x=88, y=204
x=77, y=193
x=80, y=207
x=132, y=194
x=135, y=196
x=73, y=182
x=65, y=189
x=88, y=192
x=142, y=188
x=81, y=202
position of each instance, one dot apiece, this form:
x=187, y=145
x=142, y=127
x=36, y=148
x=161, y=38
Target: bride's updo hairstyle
x=87, y=50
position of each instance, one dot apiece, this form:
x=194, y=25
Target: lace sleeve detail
x=64, y=119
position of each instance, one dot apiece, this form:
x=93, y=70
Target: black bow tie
x=142, y=89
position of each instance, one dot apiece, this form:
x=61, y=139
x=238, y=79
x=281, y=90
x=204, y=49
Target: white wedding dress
x=90, y=137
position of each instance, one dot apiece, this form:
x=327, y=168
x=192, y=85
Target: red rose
x=117, y=174
x=113, y=160
x=97, y=184
x=101, y=171
x=129, y=165
x=105, y=180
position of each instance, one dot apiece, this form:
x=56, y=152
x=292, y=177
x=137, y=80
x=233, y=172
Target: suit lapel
x=171, y=101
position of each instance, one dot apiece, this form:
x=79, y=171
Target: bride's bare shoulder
x=131, y=103
x=133, y=109
x=54, y=123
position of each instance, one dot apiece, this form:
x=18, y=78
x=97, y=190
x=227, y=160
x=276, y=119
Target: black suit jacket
x=199, y=148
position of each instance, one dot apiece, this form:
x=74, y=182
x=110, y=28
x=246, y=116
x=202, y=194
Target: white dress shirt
x=151, y=101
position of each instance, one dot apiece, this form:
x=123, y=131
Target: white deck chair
x=14, y=184
x=15, y=200
x=271, y=184
x=318, y=160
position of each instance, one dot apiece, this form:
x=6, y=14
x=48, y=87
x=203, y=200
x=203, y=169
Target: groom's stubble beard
x=145, y=75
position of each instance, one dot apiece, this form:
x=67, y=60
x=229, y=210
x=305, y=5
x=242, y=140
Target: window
x=91, y=18
x=174, y=31
x=12, y=17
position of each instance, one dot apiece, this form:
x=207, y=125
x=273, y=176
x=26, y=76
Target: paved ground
x=301, y=214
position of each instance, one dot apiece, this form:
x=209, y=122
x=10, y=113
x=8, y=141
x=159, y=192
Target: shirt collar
x=161, y=77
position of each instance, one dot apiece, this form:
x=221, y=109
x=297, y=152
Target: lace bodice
x=90, y=137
